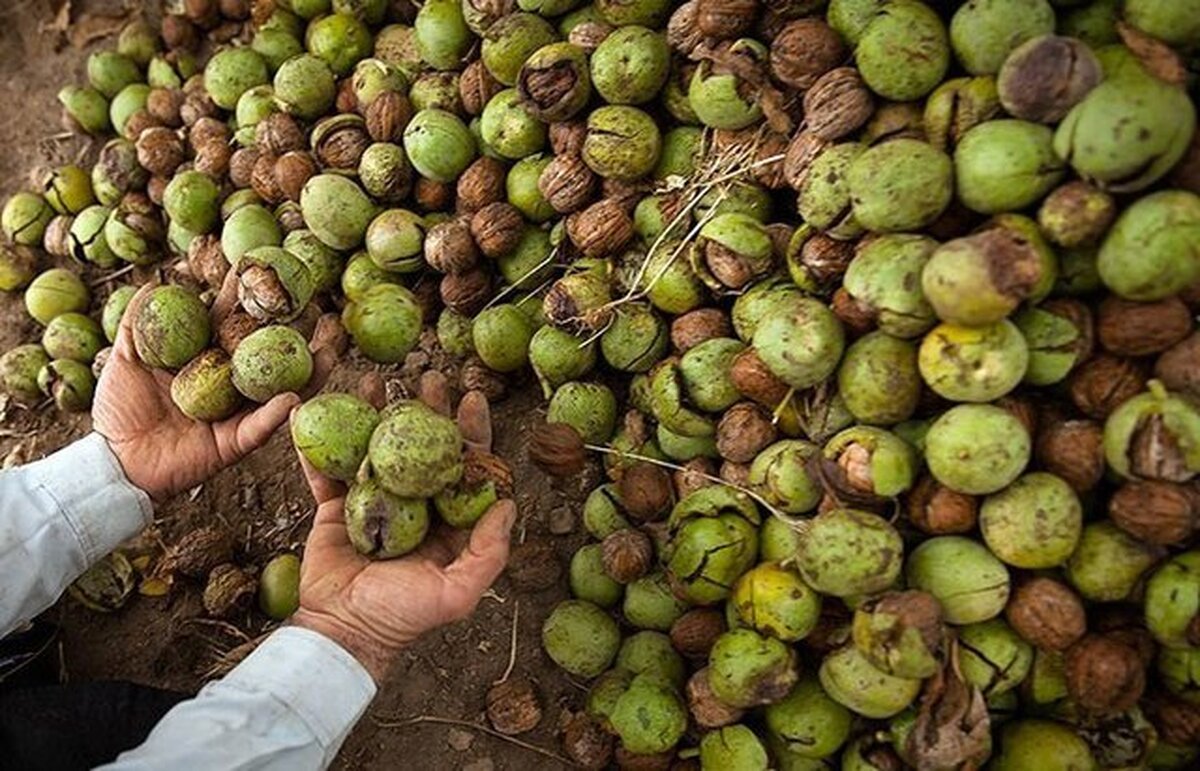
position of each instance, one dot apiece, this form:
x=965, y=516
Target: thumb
x=252, y=430
x=480, y=563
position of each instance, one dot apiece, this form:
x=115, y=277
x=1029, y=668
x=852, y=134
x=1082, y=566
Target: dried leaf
x=91, y=27
x=61, y=21
x=953, y=731
x=140, y=563
x=155, y=586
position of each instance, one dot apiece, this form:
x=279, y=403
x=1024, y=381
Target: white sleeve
x=289, y=705
x=58, y=516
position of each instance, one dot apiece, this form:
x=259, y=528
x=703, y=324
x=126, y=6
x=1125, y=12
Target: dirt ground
x=166, y=641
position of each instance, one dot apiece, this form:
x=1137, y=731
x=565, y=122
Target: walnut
x=512, y=706
x=1179, y=367
x=241, y=166
x=625, y=192
x=206, y=130
x=568, y=184
x=339, y=142
x=1128, y=328
x=1156, y=512
x=466, y=293
x=1046, y=613
x=449, y=247
x=1105, y=382
x=179, y=32
x=588, y=35
x=481, y=184
x=229, y=588
x=138, y=123
x=744, y=430
x=804, y=50
x=557, y=449
x=645, y=490
x=707, y=710
x=534, y=566
x=1104, y=675
x=770, y=173
x=160, y=151
x=206, y=260
x=683, y=28
x=56, y=241
x=237, y=10
x=1023, y=408
x=601, y=229
x=497, y=229
x=585, y=742
x=198, y=552
x=156, y=188
x=1177, y=720
x=476, y=87
x=387, y=116
x=937, y=510
x=754, y=380
x=164, y=104
x=838, y=104
x=858, y=317
x=235, y=328
x=693, y=476
x=346, y=100
x=213, y=159
x=279, y=133
x=735, y=473
x=632, y=761
x=477, y=376
x=1073, y=450
x=205, y=13
x=694, y=633
x=627, y=555
x=291, y=218
x=824, y=260
x=694, y=327
x=263, y=180
x=566, y=137
x=725, y=18
x=292, y=172
x=431, y=196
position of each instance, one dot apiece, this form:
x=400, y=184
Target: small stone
x=459, y=740
x=561, y=521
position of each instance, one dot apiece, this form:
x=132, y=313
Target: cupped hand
x=161, y=450
x=374, y=609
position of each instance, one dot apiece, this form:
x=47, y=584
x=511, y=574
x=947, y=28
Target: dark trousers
x=76, y=726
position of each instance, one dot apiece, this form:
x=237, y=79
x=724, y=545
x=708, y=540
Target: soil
x=167, y=641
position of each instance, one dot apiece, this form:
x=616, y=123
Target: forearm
x=58, y=516
x=289, y=705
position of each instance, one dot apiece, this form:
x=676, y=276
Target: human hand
x=373, y=608
x=161, y=450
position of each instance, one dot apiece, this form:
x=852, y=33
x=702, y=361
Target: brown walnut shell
x=1155, y=512
x=513, y=706
x=568, y=184
x=481, y=184
x=477, y=376
x=1046, y=613
x=725, y=18
x=164, y=105
x=694, y=327
x=804, y=50
x=160, y=151
x=694, y=475
x=694, y=633
x=387, y=116
x=1179, y=367
x=431, y=196
x=627, y=555
x=292, y=171
x=1177, y=720
x=838, y=104
x=744, y=430
x=476, y=87
x=206, y=260
x=497, y=229
x=449, y=247
x=213, y=159
x=1105, y=382
x=198, y=552
x=138, y=123
x=263, y=180
x=707, y=710
x=646, y=491
x=1104, y=675
x=1128, y=328
x=937, y=510
x=342, y=147
x=566, y=137
x=229, y=588
x=601, y=229
x=241, y=166
x=754, y=380
x=1072, y=450
x=235, y=328
x=683, y=28
x=179, y=32
x=466, y=293
x=588, y=35
x=825, y=260
x=585, y=742
x=279, y=133
x=557, y=449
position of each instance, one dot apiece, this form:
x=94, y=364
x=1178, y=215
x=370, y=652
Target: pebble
x=459, y=740
x=561, y=521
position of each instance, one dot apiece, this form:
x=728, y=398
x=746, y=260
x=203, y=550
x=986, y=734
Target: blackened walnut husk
x=481, y=184
x=1156, y=512
x=1129, y=328
x=1073, y=450
x=804, y=50
x=497, y=228
x=1044, y=79
x=1046, y=613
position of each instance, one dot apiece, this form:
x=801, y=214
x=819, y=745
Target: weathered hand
x=161, y=450
x=376, y=608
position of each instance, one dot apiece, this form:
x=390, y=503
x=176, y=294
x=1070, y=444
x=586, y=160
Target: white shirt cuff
x=86, y=484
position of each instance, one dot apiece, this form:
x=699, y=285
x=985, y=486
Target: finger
x=475, y=421
x=123, y=346
x=434, y=390
x=241, y=435
x=323, y=488
x=329, y=527
x=227, y=298
x=328, y=344
x=481, y=562
x=372, y=390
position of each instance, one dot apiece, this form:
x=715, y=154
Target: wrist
x=127, y=459
x=374, y=656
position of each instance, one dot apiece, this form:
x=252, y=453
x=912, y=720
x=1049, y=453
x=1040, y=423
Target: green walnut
x=340, y=39
x=733, y=249
x=1108, y=563
x=746, y=669
x=1172, y=601
x=630, y=66
x=603, y=694
x=131, y=100
x=776, y=602
x=668, y=406
x=522, y=191
x=1006, y=165
x=903, y=52
x=601, y=515
x=1128, y=132
x=73, y=336
x=589, y=408
x=984, y=32
x=759, y=299
x=801, y=342
x=1057, y=339
x=69, y=383
x=171, y=327
x=824, y=200
x=980, y=279
x=977, y=449
x=114, y=310
x=670, y=284
x=1033, y=523
x=558, y=357
x=203, y=389
x=18, y=266
x=879, y=379
x=581, y=638
x=646, y=13
x=1034, y=743
x=901, y=633
x=233, y=71
x=381, y=525
x=439, y=145
x=436, y=90
x=192, y=200
x=849, y=552
x=971, y=584
x=704, y=373
x=1179, y=671
x=722, y=99
x=117, y=172
x=733, y=748
x=993, y=657
x=884, y=278
x=374, y=77
x=1173, y=421
x=1149, y=254
x=501, y=335
x=904, y=184
x=973, y=364
x=134, y=231
x=415, y=452
x=957, y=106
x=304, y=86
x=335, y=209
x=395, y=240
x=110, y=71
x=509, y=128
x=587, y=578
x=781, y=475
x=323, y=263
x=441, y=34
x=1175, y=23
x=636, y=340
x=869, y=461
x=271, y=361
x=650, y=652
x=86, y=108
x=332, y=431
x=714, y=540
x=68, y=190
x=650, y=603
x=807, y=722
x=649, y=717
x=510, y=41
x=850, y=679
x=554, y=83
x=25, y=217
x=279, y=587
x=88, y=242
x=622, y=142
x=19, y=369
